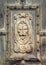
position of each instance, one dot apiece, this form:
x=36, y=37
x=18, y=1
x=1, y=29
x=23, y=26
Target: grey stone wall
x=3, y=28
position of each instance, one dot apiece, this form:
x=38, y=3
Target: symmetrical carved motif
x=23, y=42
x=23, y=33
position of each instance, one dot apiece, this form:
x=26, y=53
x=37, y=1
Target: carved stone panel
x=22, y=33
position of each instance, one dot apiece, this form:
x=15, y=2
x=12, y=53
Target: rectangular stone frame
x=38, y=22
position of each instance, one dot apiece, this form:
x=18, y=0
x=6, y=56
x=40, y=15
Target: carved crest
x=23, y=33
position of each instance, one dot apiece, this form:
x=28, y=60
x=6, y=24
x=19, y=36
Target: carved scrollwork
x=23, y=33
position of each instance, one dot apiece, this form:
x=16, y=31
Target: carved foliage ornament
x=23, y=33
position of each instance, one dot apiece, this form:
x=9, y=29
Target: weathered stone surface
x=23, y=16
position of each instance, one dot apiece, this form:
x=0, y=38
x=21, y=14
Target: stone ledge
x=43, y=33
x=26, y=57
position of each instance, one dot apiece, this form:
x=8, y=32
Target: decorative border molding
x=14, y=6
x=38, y=26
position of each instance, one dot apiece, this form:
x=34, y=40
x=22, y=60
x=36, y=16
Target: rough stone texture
x=5, y=49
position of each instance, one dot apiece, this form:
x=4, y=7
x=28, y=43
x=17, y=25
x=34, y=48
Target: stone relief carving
x=23, y=33
x=21, y=46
